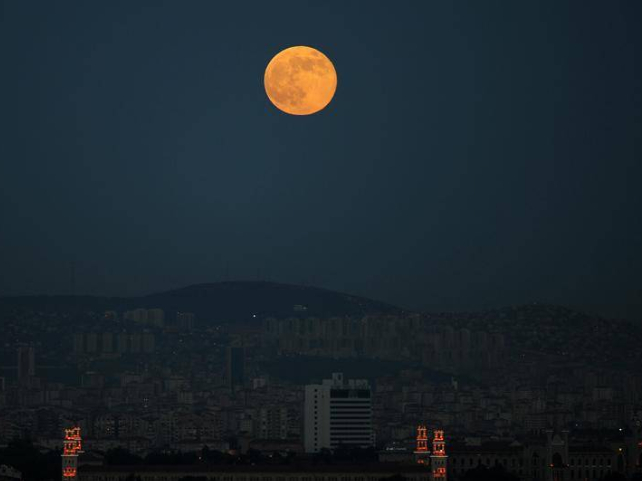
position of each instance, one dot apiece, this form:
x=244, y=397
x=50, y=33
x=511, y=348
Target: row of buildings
x=338, y=413
x=387, y=338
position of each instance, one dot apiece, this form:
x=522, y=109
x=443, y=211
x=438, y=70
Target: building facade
x=337, y=413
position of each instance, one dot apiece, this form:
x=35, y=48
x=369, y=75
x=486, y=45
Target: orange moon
x=300, y=80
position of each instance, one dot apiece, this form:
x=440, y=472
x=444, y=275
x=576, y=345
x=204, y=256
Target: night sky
x=476, y=154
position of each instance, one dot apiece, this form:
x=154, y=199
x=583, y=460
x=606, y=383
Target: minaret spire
x=72, y=447
x=421, y=451
x=438, y=458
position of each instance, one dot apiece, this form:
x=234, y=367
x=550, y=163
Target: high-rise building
x=137, y=315
x=156, y=317
x=148, y=342
x=273, y=423
x=108, y=342
x=235, y=366
x=337, y=413
x=153, y=317
x=91, y=342
x=79, y=343
x=122, y=342
x=92, y=380
x=26, y=363
x=185, y=321
x=135, y=341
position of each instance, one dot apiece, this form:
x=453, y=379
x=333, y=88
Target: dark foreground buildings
x=552, y=458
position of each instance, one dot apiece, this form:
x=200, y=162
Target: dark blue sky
x=476, y=154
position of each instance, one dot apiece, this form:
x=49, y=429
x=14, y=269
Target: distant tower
x=421, y=452
x=26, y=364
x=72, y=447
x=235, y=366
x=438, y=458
x=72, y=278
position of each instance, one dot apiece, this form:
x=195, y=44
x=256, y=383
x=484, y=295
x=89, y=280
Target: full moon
x=300, y=80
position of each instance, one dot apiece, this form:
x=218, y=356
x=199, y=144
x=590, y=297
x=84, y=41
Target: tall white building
x=337, y=412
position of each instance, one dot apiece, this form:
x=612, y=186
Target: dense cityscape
x=537, y=391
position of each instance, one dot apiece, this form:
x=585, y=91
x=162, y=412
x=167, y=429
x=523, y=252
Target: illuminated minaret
x=71, y=449
x=421, y=452
x=438, y=458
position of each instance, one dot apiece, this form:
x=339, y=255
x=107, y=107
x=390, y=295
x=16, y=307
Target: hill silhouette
x=236, y=301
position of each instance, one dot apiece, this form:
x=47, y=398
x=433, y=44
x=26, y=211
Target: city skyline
x=320, y=241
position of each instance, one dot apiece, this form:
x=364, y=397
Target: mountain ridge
x=235, y=301
x=240, y=300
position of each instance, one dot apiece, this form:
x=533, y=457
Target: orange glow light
x=72, y=443
x=422, y=439
x=439, y=473
x=72, y=446
x=438, y=444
